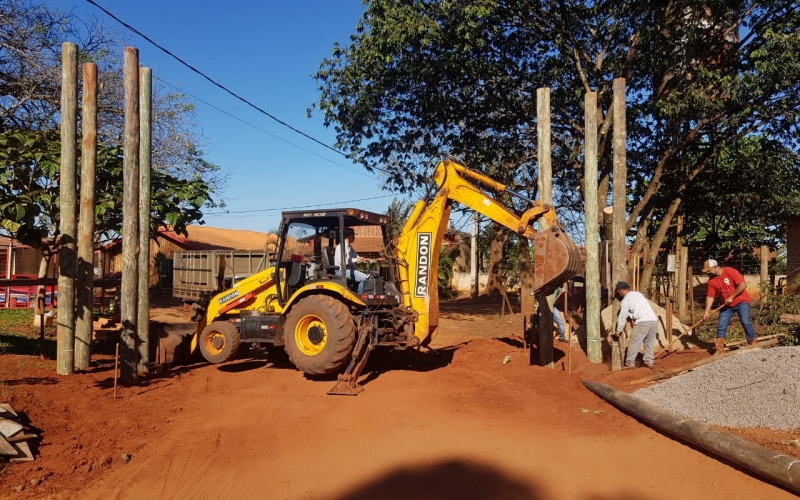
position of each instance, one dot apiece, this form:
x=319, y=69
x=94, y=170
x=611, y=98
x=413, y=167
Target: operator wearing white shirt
x=351, y=259
x=636, y=307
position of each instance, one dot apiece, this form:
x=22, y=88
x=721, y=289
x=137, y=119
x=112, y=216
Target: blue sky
x=266, y=52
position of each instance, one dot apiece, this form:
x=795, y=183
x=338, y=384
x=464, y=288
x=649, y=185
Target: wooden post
x=691, y=292
x=130, y=219
x=607, y=278
x=682, y=254
x=40, y=304
x=473, y=257
x=608, y=224
x=619, y=270
x=757, y=459
x=116, y=369
x=567, y=327
x=83, y=326
x=143, y=318
x=669, y=324
x=592, y=317
x=545, y=186
x=65, y=340
x=764, y=269
x=616, y=356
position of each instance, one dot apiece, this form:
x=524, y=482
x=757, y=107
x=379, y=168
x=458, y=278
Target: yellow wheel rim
x=310, y=335
x=215, y=343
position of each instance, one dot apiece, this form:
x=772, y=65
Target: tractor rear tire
x=219, y=342
x=319, y=334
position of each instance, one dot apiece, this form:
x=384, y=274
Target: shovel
x=690, y=329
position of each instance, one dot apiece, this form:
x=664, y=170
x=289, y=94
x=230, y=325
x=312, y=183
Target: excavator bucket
x=556, y=260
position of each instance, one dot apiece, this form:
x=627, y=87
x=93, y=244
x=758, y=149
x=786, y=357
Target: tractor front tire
x=219, y=342
x=319, y=335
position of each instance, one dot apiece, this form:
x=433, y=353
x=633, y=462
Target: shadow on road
x=455, y=478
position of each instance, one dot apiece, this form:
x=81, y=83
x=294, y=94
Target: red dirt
x=460, y=424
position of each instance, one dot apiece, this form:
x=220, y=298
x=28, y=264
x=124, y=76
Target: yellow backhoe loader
x=307, y=305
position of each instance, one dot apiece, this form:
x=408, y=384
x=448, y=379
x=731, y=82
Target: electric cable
x=261, y=129
x=298, y=207
x=211, y=80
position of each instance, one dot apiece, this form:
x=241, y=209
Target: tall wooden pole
x=473, y=257
x=682, y=254
x=545, y=187
x=764, y=269
x=619, y=271
x=592, y=320
x=145, y=123
x=130, y=220
x=65, y=340
x=691, y=292
x=83, y=326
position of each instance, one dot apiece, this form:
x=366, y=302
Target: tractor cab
x=307, y=250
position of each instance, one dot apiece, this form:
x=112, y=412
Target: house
x=16, y=258
x=108, y=258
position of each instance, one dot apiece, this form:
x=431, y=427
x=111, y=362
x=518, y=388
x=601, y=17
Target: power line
x=211, y=80
x=261, y=129
x=294, y=208
x=219, y=85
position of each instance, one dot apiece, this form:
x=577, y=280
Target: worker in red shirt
x=727, y=284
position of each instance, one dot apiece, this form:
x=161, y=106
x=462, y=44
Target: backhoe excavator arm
x=556, y=259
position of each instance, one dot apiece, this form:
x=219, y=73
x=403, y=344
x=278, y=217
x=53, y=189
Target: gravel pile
x=753, y=389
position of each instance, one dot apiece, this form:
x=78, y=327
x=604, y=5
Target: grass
x=19, y=336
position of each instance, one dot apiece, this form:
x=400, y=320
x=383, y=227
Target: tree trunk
x=655, y=244
x=496, y=281
x=639, y=244
x=526, y=277
x=40, y=294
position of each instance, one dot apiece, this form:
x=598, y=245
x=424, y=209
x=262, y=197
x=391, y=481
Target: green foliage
x=710, y=91
x=28, y=183
x=31, y=37
x=445, y=275
x=398, y=212
x=29, y=191
x=746, y=199
x=775, y=305
x=792, y=336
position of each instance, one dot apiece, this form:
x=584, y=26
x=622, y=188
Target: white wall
x=752, y=281
x=463, y=281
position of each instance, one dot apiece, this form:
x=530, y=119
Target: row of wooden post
x=619, y=269
x=74, y=332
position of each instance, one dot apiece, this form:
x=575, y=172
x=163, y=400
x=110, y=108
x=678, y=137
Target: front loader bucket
x=556, y=260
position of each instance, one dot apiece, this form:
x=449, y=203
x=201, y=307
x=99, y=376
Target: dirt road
x=457, y=425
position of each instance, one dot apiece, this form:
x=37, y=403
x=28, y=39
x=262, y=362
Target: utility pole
x=545, y=187
x=83, y=326
x=619, y=267
x=65, y=336
x=681, y=254
x=143, y=317
x=592, y=317
x=129, y=305
x=473, y=257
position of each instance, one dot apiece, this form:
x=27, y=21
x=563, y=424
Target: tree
x=29, y=193
x=425, y=78
x=398, y=212
x=30, y=79
x=740, y=214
